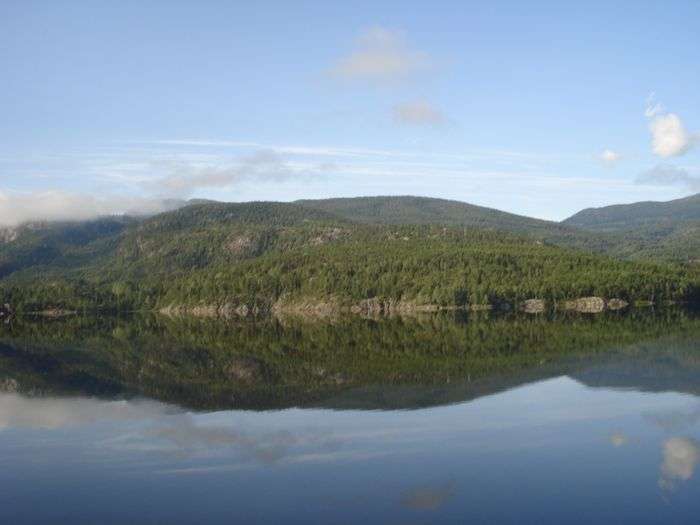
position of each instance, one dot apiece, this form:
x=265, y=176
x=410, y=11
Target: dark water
x=516, y=419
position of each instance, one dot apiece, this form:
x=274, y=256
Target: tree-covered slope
x=272, y=255
x=624, y=217
x=651, y=230
x=56, y=243
x=266, y=255
x=424, y=210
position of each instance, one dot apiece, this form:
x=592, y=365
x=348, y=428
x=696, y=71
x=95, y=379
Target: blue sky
x=538, y=108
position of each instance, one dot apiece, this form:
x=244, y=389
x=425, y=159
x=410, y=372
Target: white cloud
x=17, y=208
x=609, y=156
x=418, y=113
x=381, y=55
x=681, y=456
x=667, y=175
x=669, y=137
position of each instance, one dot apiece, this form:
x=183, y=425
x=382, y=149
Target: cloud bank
x=18, y=208
x=381, y=55
x=160, y=193
x=667, y=175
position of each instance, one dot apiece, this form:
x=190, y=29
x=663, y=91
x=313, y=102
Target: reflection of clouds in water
x=618, y=439
x=160, y=428
x=681, y=456
x=674, y=421
x=429, y=497
x=18, y=411
x=185, y=437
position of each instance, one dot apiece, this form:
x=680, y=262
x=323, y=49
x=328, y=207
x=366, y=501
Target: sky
x=537, y=108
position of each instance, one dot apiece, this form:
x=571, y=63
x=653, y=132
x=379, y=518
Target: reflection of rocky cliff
x=353, y=363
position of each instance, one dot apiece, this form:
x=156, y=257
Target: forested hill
x=668, y=231
x=213, y=257
x=621, y=217
x=659, y=230
x=424, y=210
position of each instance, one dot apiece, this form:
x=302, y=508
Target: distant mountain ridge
x=621, y=217
x=659, y=230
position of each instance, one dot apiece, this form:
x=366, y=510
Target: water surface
x=574, y=419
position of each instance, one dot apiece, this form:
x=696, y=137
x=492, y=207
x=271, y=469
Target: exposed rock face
x=480, y=307
x=241, y=245
x=533, y=306
x=375, y=306
x=8, y=235
x=56, y=312
x=617, y=304
x=245, y=370
x=6, y=312
x=224, y=311
x=9, y=385
x=589, y=305
x=326, y=236
x=318, y=309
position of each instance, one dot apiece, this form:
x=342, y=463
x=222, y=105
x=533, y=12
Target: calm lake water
x=571, y=419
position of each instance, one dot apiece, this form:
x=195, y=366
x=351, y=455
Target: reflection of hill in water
x=351, y=363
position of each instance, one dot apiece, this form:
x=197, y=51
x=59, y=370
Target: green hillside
x=424, y=210
x=220, y=257
x=653, y=230
x=61, y=243
x=624, y=217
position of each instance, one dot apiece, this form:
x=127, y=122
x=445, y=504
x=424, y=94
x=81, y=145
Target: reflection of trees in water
x=347, y=363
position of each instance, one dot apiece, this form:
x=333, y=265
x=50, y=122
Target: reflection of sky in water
x=556, y=448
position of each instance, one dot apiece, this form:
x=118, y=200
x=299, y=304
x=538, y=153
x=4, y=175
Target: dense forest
x=369, y=254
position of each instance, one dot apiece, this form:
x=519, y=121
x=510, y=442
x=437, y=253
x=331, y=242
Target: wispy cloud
x=653, y=107
x=327, y=151
x=381, y=55
x=261, y=166
x=418, y=113
x=667, y=175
